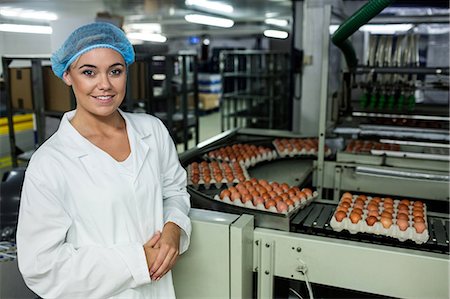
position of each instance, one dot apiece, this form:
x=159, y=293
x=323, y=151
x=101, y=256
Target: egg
x=275, y=185
x=285, y=187
x=278, y=198
x=246, y=197
x=418, y=204
x=405, y=202
x=289, y=202
x=263, y=182
x=265, y=196
x=347, y=194
x=418, y=219
x=372, y=207
x=302, y=194
x=284, y=196
x=376, y=199
x=388, y=200
x=386, y=214
x=282, y=206
x=358, y=205
x=420, y=227
x=341, y=208
x=402, y=207
x=278, y=190
x=207, y=179
x=270, y=203
x=346, y=199
x=386, y=222
x=389, y=210
x=339, y=216
x=402, y=216
x=307, y=191
x=362, y=197
x=373, y=213
x=345, y=204
x=388, y=205
x=295, y=199
x=402, y=224
x=355, y=217
x=225, y=193
x=417, y=213
x=235, y=195
x=371, y=220
x=357, y=210
x=272, y=194
x=406, y=212
x=258, y=200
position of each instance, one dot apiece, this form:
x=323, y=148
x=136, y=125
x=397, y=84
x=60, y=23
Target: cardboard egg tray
x=247, y=154
x=213, y=182
x=393, y=231
x=300, y=204
x=365, y=146
x=295, y=151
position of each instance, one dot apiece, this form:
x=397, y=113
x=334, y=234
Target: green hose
x=352, y=24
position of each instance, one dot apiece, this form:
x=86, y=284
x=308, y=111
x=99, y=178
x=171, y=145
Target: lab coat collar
x=78, y=146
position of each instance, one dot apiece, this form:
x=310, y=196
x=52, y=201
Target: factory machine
x=385, y=140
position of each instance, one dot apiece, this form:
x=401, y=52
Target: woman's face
x=98, y=79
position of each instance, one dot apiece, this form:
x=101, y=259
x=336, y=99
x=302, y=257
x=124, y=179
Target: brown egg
x=291, y=192
x=302, y=194
x=386, y=214
x=248, y=184
x=278, y=198
x=420, y=227
x=275, y=185
x=372, y=207
x=371, y=220
x=254, y=181
x=355, y=217
x=347, y=194
x=388, y=199
x=272, y=194
x=263, y=182
x=358, y=205
x=285, y=187
x=417, y=213
x=341, y=208
x=289, y=202
x=268, y=187
x=389, y=210
x=278, y=190
x=270, y=203
x=402, y=224
x=402, y=216
x=233, y=189
x=282, y=206
x=235, y=195
x=225, y=193
x=357, y=210
x=406, y=212
x=418, y=219
x=265, y=196
x=402, y=207
x=420, y=209
x=373, y=213
x=386, y=222
x=284, y=196
x=308, y=192
x=295, y=199
x=345, y=204
x=246, y=197
x=418, y=204
x=376, y=199
x=255, y=194
x=340, y=216
x=388, y=205
x=406, y=202
x=362, y=197
x=346, y=199
x=207, y=179
x=258, y=200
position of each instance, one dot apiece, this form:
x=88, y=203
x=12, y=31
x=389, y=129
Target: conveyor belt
x=315, y=220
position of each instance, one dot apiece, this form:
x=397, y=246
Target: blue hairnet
x=88, y=37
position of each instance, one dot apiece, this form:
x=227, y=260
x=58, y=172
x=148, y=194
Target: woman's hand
x=150, y=251
x=168, y=246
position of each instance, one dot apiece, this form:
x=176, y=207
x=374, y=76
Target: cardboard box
x=21, y=90
x=208, y=101
x=57, y=95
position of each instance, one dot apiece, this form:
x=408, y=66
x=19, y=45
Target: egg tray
x=213, y=183
x=296, y=153
x=249, y=204
x=364, y=146
x=393, y=231
x=248, y=162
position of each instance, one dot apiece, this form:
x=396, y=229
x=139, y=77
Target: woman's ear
x=67, y=79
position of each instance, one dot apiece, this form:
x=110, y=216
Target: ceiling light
x=150, y=37
x=26, y=28
x=150, y=27
x=28, y=14
x=217, y=6
x=208, y=20
x=386, y=28
x=277, y=22
x=276, y=34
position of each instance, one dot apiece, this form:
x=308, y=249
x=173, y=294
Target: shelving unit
x=168, y=90
x=255, y=89
x=38, y=109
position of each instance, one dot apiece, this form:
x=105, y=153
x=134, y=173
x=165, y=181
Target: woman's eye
x=116, y=72
x=88, y=73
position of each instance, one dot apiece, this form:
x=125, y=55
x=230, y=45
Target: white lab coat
x=84, y=218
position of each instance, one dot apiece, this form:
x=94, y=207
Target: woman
x=104, y=205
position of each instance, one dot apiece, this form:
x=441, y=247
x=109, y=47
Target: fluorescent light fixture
x=276, y=34
x=150, y=37
x=26, y=28
x=150, y=27
x=159, y=77
x=27, y=14
x=276, y=22
x=217, y=6
x=386, y=28
x=208, y=20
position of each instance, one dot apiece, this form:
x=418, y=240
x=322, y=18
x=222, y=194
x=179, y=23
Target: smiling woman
x=104, y=204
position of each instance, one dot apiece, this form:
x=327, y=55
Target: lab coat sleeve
x=176, y=199
x=53, y=268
